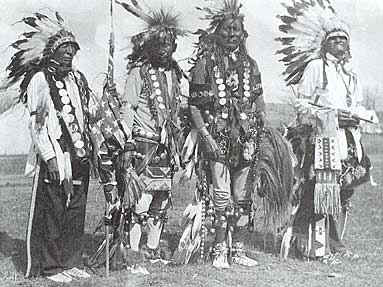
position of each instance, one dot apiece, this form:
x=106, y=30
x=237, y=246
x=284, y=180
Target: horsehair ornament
x=305, y=27
x=227, y=9
x=158, y=22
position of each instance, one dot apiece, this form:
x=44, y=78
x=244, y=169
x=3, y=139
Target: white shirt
x=339, y=85
x=45, y=135
x=135, y=103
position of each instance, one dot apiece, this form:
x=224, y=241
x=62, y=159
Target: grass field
x=364, y=236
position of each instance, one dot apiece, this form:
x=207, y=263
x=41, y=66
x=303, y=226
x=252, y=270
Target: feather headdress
x=159, y=23
x=228, y=9
x=306, y=27
x=34, y=48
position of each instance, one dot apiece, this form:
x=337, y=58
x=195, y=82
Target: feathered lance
x=111, y=47
x=114, y=104
x=112, y=99
x=109, y=83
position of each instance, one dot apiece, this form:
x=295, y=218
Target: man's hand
x=112, y=90
x=53, y=170
x=346, y=119
x=249, y=149
x=302, y=106
x=210, y=143
x=261, y=119
x=130, y=145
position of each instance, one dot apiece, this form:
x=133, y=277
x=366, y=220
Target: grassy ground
x=364, y=236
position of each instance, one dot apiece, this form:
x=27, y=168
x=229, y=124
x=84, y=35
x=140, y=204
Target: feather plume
x=156, y=20
x=191, y=237
x=31, y=21
x=130, y=186
x=40, y=16
x=136, y=10
x=187, y=246
x=287, y=19
x=59, y=18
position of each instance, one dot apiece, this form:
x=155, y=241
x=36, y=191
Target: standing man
x=61, y=113
x=227, y=109
x=151, y=104
x=327, y=139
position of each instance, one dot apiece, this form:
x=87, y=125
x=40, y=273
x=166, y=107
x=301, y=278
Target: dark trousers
x=57, y=230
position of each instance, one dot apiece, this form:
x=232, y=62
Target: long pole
x=111, y=46
x=109, y=82
x=107, y=243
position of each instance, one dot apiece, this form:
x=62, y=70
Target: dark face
x=231, y=33
x=64, y=54
x=337, y=46
x=160, y=51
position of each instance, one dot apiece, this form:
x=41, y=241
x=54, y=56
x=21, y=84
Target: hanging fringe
x=327, y=194
x=327, y=169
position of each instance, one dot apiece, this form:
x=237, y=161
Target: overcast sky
x=89, y=21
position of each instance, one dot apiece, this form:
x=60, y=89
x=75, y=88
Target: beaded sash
x=327, y=167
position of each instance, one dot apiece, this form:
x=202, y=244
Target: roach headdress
x=306, y=27
x=159, y=23
x=216, y=13
x=227, y=9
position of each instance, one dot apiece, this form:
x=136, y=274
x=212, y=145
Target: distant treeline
x=278, y=114
x=380, y=116
x=284, y=113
